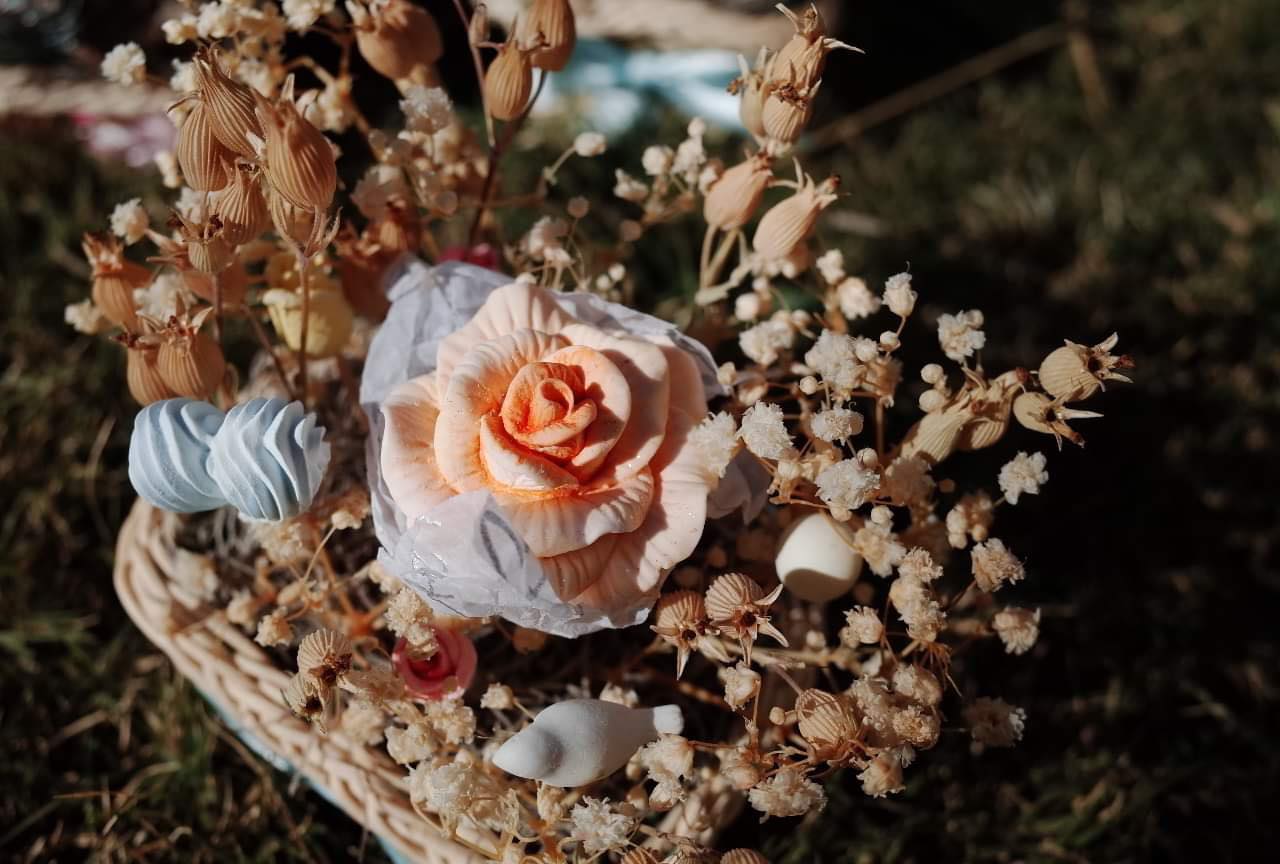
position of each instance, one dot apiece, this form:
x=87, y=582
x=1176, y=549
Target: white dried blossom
x=180, y=30
x=332, y=108
x=994, y=722
x=426, y=109
x=971, y=517
x=715, y=440
x=452, y=720
x=544, y=237
x=657, y=159
x=862, y=627
x=599, y=827
x=409, y=616
x=879, y=547
x=451, y=789
x=907, y=481
x=1017, y=628
x=882, y=776
x=125, y=64
x=183, y=79
x=961, y=335
x=410, y=744
x=191, y=205
x=917, y=684
x=789, y=792
x=167, y=165
x=301, y=14
x=830, y=265
x=161, y=297
x=668, y=760
x=875, y=702
x=273, y=629
x=629, y=188
x=855, y=299
x=750, y=305
x=498, y=697
x=835, y=360
x=763, y=431
x=898, y=295
x=217, y=20
x=363, y=722
x=836, y=424
x=86, y=318
x=589, y=144
x=619, y=695
x=917, y=607
x=1024, y=474
x=847, y=484
x=918, y=566
x=741, y=684
x=918, y=725
x=994, y=565
x=378, y=187
x=765, y=341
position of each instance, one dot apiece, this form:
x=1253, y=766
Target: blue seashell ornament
x=169, y=454
x=268, y=459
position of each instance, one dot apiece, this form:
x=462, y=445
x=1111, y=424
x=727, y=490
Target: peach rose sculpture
x=528, y=449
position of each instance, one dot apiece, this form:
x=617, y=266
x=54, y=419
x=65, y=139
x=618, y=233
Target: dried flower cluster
x=254, y=241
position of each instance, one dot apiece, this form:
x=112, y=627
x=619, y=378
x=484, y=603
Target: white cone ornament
x=816, y=561
x=268, y=459
x=169, y=454
x=580, y=741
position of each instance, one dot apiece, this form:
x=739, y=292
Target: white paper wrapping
x=463, y=556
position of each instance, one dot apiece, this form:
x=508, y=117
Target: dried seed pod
x=325, y=655
x=228, y=103
x=142, y=373
x=733, y=198
x=396, y=37
x=1075, y=372
x=797, y=54
x=639, y=855
x=190, y=362
x=550, y=24
x=789, y=222
x=935, y=436
x=752, y=90
x=508, y=82
x=204, y=160
x=743, y=856
x=207, y=247
x=114, y=279
x=1039, y=413
x=738, y=608
x=299, y=162
x=305, y=698
x=242, y=207
x=827, y=722
x=304, y=226
x=680, y=619
x=786, y=113
x=990, y=406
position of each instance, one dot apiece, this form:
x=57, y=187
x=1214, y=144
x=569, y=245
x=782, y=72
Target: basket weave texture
x=245, y=684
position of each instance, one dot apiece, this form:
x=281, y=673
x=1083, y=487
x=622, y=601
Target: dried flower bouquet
x=565, y=569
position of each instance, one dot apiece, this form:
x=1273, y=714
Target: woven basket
x=244, y=683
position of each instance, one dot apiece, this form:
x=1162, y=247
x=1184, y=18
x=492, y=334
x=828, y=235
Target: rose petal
x=645, y=369
x=510, y=308
x=510, y=467
x=573, y=572
x=476, y=389
x=408, y=453
x=608, y=388
x=566, y=523
x=687, y=393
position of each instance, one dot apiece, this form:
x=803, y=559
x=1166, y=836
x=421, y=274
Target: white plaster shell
x=169, y=454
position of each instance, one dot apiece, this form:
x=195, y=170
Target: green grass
x=1152, y=698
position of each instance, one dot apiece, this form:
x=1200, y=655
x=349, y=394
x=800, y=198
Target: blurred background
x=1069, y=168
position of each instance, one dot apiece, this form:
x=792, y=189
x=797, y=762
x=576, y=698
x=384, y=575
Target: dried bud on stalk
x=207, y=248
x=242, y=206
x=306, y=227
x=509, y=81
x=733, y=198
x=478, y=26
x=826, y=722
x=788, y=223
x=142, y=372
x=190, y=363
x=990, y=406
x=1076, y=372
x=680, y=620
x=229, y=105
x=325, y=655
x=551, y=24
x=752, y=90
x=205, y=162
x=787, y=110
x=114, y=279
x=738, y=607
x=797, y=53
x=1039, y=413
x=298, y=160
x=396, y=37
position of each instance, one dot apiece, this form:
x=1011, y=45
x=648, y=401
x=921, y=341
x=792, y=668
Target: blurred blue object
x=612, y=86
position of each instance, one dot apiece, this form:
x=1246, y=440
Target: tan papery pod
x=209, y=252
x=114, y=280
x=810, y=31
x=205, y=162
x=299, y=162
x=936, y=435
x=242, y=207
x=826, y=721
x=142, y=373
x=191, y=364
x=791, y=220
x=397, y=38
x=786, y=113
x=743, y=856
x=550, y=23
x=508, y=82
x=733, y=198
x=229, y=105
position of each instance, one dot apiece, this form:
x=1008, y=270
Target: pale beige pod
x=205, y=162
x=991, y=408
x=209, y=251
x=242, y=207
x=299, y=162
x=508, y=82
x=550, y=24
x=786, y=113
x=743, y=856
x=730, y=593
x=826, y=721
x=935, y=436
x=680, y=612
x=396, y=37
x=114, y=279
x=1075, y=372
x=229, y=105
x=143, y=374
x=791, y=220
x=190, y=363
x=798, y=53
x=325, y=655
x=733, y=198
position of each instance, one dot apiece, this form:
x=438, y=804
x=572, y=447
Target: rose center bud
x=546, y=410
